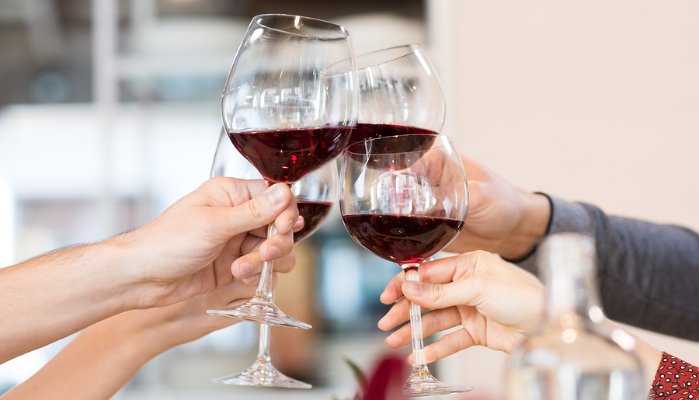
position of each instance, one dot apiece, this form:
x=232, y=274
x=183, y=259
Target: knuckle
x=254, y=208
x=438, y=293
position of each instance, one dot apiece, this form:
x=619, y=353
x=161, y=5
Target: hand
x=501, y=218
x=162, y=328
x=190, y=248
x=496, y=304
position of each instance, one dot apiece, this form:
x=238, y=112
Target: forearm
x=51, y=296
x=97, y=363
x=647, y=272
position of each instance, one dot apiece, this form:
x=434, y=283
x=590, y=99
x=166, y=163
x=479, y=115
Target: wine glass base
x=435, y=390
x=262, y=312
x=263, y=374
x=422, y=383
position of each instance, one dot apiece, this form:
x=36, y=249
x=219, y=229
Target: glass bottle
x=577, y=355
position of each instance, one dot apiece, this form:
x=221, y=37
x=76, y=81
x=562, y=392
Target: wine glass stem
x=263, y=349
x=419, y=363
x=264, y=288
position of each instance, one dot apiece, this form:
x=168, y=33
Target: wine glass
x=404, y=198
x=399, y=94
x=315, y=194
x=288, y=114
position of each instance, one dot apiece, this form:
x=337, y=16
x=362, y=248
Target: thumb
x=437, y=296
x=256, y=212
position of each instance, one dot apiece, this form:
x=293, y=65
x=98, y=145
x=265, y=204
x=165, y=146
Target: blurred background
x=109, y=111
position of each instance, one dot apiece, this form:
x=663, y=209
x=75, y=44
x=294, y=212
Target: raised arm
x=186, y=251
x=647, y=272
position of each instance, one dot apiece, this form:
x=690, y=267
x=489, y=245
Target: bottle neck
x=572, y=298
x=569, y=273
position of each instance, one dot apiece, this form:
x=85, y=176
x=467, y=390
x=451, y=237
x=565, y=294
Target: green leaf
x=358, y=374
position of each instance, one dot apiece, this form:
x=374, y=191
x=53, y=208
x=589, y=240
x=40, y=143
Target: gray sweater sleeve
x=648, y=273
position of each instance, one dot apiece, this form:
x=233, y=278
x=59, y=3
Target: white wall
x=595, y=101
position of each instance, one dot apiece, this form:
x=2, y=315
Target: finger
x=274, y=204
x=255, y=237
x=285, y=264
x=250, y=244
x=261, y=232
x=447, y=345
x=399, y=313
x=393, y=292
x=272, y=249
x=222, y=264
x=277, y=246
x=252, y=281
x=444, y=269
x=462, y=287
x=285, y=222
x=229, y=293
x=298, y=225
x=432, y=322
x=436, y=296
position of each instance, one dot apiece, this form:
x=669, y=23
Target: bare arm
x=54, y=295
x=188, y=250
x=106, y=355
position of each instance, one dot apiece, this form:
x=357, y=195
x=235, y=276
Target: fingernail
x=412, y=288
x=273, y=252
x=275, y=193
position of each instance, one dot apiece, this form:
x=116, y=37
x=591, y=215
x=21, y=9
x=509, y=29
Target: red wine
x=371, y=131
x=402, y=238
x=390, y=139
x=313, y=213
x=286, y=155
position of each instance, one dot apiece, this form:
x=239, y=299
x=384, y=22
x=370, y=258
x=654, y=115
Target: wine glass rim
x=404, y=50
x=440, y=141
x=337, y=31
x=342, y=125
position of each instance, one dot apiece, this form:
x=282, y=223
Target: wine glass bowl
x=400, y=94
x=415, y=201
x=288, y=114
x=405, y=206
x=284, y=110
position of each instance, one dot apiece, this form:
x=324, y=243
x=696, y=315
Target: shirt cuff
x=565, y=217
x=569, y=217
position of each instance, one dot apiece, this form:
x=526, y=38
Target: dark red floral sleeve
x=675, y=380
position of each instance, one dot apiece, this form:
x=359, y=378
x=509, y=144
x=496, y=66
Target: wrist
x=128, y=265
x=531, y=228
x=138, y=333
